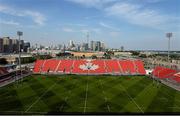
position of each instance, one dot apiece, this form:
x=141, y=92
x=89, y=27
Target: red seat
x=112, y=66
x=90, y=66
x=50, y=65
x=140, y=67
x=163, y=72
x=100, y=65
x=77, y=66
x=65, y=66
x=38, y=66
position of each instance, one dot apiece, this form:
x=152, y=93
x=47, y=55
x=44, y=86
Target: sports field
x=42, y=94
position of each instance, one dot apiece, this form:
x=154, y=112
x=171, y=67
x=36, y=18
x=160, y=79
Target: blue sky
x=135, y=24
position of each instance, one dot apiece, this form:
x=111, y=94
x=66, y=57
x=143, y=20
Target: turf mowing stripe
x=25, y=93
x=10, y=101
x=132, y=99
x=40, y=97
x=115, y=88
x=162, y=101
x=85, y=102
x=176, y=102
x=134, y=90
x=145, y=97
x=51, y=99
x=105, y=98
x=66, y=98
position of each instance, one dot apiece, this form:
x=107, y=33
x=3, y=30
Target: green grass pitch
x=42, y=94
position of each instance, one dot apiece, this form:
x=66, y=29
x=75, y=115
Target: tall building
x=98, y=46
x=6, y=44
x=122, y=48
x=22, y=45
x=84, y=47
x=15, y=45
x=1, y=45
x=71, y=44
x=26, y=46
x=102, y=46
x=93, y=45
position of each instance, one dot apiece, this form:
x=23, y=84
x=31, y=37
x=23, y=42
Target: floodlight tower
x=19, y=33
x=168, y=35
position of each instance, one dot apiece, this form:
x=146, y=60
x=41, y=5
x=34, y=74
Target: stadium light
x=19, y=33
x=168, y=35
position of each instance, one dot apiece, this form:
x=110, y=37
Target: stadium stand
x=139, y=67
x=76, y=67
x=166, y=73
x=90, y=66
x=38, y=66
x=50, y=66
x=65, y=66
x=163, y=72
x=177, y=77
x=112, y=66
x=3, y=71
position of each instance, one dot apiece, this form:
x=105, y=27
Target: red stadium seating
x=65, y=66
x=100, y=65
x=50, y=65
x=177, y=77
x=38, y=66
x=140, y=67
x=121, y=67
x=77, y=67
x=162, y=72
x=127, y=66
x=3, y=71
x=112, y=66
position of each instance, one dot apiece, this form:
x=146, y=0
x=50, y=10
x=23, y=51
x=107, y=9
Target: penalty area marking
x=40, y=97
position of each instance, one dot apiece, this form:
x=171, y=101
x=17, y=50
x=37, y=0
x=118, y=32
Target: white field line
x=23, y=112
x=133, y=100
x=40, y=97
x=174, y=107
x=62, y=106
x=105, y=98
x=85, y=102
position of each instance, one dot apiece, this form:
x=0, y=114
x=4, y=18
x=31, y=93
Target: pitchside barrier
x=90, y=67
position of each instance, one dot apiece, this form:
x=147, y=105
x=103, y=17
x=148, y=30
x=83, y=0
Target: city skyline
x=134, y=24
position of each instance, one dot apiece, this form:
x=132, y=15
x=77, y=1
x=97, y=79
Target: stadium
x=92, y=86
x=89, y=57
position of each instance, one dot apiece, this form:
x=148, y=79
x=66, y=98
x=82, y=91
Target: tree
x=135, y=53
x=3, y=61
x=94, y=57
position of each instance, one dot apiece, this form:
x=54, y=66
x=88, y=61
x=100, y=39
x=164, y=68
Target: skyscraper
x=1, y=45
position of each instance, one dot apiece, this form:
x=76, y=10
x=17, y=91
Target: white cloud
x=37, y=17
x=134, y=14
x=151, y=1
x=114, y=34
x=108, y=26
x=66, y=29
x=93, y=3
x=77, y=24
x=11, y=22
